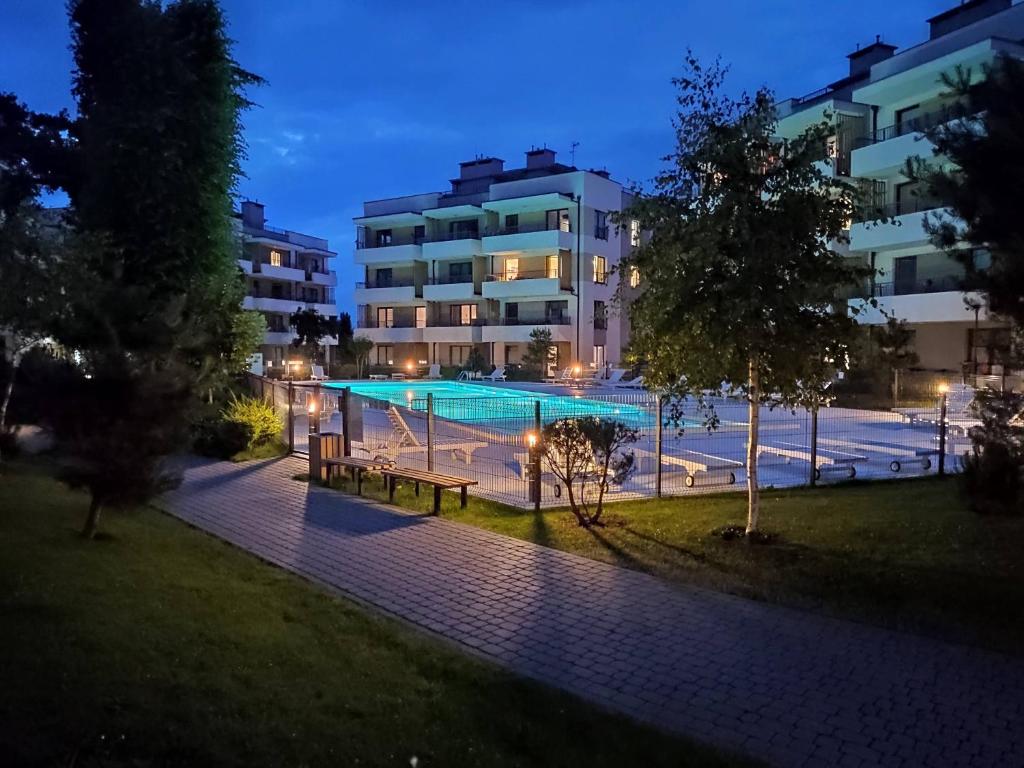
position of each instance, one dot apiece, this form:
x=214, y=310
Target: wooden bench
x=357, y=466
x=440, y=482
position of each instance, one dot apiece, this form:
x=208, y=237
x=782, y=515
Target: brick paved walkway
x=790, y=687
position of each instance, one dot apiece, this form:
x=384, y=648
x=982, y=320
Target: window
x=600, y=270
x=384, y=277
x=256, y=288
x=463, y=229
x=551, y=266
x=460, y=272
x=599, y=358
x=385, y=317
x=634, y=276
x=276, y=291
x=634, y=232
x=275, y=258
x=383, y=237
x=512, y=223
x=421, y=317
x=458, y=354
x=559, y=220
x=601, y=225
x=556, y=312
x=511, y=269
x=512, y=313
x=463, y=314
x=600, y=315
x=385, y=354
x=419, y=233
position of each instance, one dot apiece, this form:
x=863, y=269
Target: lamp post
x=944, y=392
x=312, y=411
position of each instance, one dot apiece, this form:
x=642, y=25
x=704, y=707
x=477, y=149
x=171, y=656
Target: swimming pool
x=494, y=406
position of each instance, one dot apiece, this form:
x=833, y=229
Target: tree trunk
x=7, y=398
x=93, y=520
x=754, y=403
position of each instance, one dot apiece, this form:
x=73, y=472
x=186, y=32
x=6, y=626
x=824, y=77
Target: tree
x=247, y=332
x=361, y=347
x=152, y=287
x=740, y=276
x=608, y=438
x=310, y=330
x=894, y=343
x=538, y=352
x=475, y=360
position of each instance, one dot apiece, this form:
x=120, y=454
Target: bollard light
x=943, y=388
x=311, y=406
x=531, y=439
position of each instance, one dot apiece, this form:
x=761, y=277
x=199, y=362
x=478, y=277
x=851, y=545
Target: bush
x=993, y=478
x=257, y=415
x=220, y=439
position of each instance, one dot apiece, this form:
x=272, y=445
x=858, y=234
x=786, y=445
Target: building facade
x=879, y=111
x=285, y=272
x=481, y=266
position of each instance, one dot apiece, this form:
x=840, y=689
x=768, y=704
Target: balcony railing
x=935, y=284
x=367, y=322
x=447, y=322
x=394, y=282
x=509, y=276
x=393, y=240
x=918, y=124
x=520, y=229
x=449, y=280
x=446, y=237
x=556, y=318
x=899, y=208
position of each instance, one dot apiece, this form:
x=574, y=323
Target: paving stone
x=791, y=687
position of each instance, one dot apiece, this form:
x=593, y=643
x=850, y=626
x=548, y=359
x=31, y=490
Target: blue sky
x=368, y=100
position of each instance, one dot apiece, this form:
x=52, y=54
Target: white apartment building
x=285, y=272
x=879, y=110
x=484, y=264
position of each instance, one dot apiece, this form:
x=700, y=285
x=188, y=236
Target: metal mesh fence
x=485, y=439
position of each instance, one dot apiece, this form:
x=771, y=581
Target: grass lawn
x=906, y=554
x=159, y=645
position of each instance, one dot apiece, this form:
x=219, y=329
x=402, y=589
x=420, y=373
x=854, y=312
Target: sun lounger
x=498, y=374
x=899, y=455
x=434, y=372
x=317, y=373
x=637, y=383
x=614, y=377
x=404, y=440
x=828, y=460
x=715, y=470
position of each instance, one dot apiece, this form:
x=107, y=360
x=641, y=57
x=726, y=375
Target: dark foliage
x=993, y=477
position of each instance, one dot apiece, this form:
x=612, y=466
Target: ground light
x=314, y=422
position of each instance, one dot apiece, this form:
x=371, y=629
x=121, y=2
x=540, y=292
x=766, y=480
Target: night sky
x=368, y=100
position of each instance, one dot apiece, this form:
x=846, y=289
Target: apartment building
x=285, y=272
x=501, y=253
x=879, y=111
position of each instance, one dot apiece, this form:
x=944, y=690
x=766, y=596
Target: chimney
x=966, y=13
x=480, y=168
x=540, y=158
x=862, y=59
x=252, y=214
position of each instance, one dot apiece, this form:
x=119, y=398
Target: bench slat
x=430, y=478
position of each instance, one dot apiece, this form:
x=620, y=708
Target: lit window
x=421, y=317
x=511, y=269
x=634, y=232
x=599, y=358
x=385, y=317
x=275, y=258
x=552, y=266
x=600, y=270
x=634, y=277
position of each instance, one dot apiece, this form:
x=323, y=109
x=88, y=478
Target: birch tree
x=740, y=272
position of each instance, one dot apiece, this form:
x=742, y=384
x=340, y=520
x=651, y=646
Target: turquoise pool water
x=494, y=406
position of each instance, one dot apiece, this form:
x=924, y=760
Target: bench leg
x=437, y=500
x=359, y=480
x=391, y=490
x=417, y=489
x=462, y=497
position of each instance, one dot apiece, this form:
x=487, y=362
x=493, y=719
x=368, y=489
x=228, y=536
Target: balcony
x=451, y=288
x=447, y=331
x=399, y=332
x=393, y=250
x=904, y=230
x=278, y=338
x=938, y=306
x=395, y=290
x=517, y=284
x=270, y=304
x=538, y=237
x=453, y=245
x=518, y=329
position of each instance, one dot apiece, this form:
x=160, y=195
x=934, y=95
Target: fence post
x=263, y=389
x=814, y=445
x=657, y=444
x=346, y=435
x=535, y=486
x=291, y=419
x=430, y=431
x=942, y=435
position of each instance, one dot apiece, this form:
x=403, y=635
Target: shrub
x=993, y=478
x=220, y=439
x=255, y=414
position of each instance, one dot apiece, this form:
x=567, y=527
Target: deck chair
x=636, y=383
x=614, y=377
x=317, y=373
x=404, y=440
x=434, y=372
x=498, y=374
